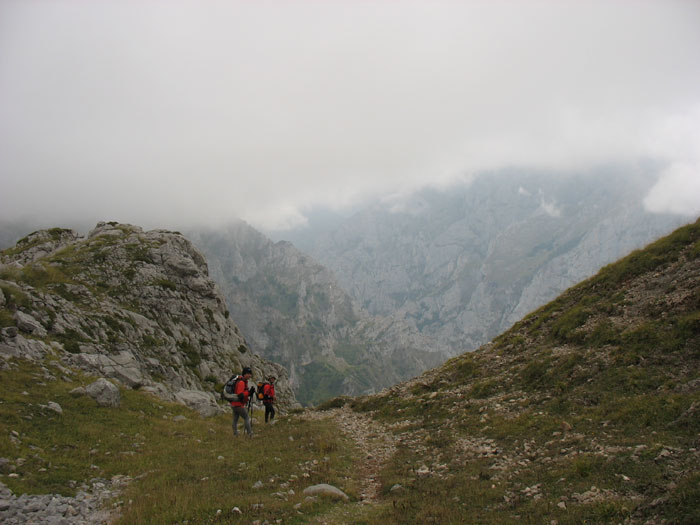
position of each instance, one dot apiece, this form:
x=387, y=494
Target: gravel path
x=376, y=442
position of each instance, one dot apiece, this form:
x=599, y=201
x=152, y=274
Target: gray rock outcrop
x=293, y=311
x=86, y=508
x=126, y=304
x=105, y=393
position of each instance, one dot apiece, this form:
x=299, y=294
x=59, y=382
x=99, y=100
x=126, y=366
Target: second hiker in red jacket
x=269, y=398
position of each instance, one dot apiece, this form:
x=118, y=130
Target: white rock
x=55, y=407
x=323, y=489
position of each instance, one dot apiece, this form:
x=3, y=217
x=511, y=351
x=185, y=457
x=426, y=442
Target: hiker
x=239, y=406
x=269, y=398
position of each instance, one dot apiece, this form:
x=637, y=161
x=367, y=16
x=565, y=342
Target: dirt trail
x=377, y=444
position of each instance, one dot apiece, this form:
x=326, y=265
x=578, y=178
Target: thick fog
x=171, y=113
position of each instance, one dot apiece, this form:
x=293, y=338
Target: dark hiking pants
x=241, y=412
x=269, y=412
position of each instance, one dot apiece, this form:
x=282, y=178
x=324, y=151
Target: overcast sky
x=167, y=113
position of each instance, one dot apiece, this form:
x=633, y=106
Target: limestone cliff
x=294, y=312
x=137, y=306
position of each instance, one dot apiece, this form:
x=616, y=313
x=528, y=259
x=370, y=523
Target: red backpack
x=260, y=392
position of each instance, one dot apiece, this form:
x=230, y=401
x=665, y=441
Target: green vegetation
x=14, y=299
x=325, y=379
x=564, y=328
x=352, y=353
x=183, y=470
x=166, y=284
x=191, y=353
x=71, y=340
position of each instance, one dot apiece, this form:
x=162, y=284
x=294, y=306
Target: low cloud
x=677, y=191
x=677, y=140
x=183, y=113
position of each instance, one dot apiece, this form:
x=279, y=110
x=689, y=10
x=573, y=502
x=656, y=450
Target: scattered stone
x=664, y=454
x=323, y=489
x=180, y=418
x=396, y=488
x=104, y=393
x=258, y=485
x=423, y=471
x=79, y=391
x=88, y=507
x=55, y=407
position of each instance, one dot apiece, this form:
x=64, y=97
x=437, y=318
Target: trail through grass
x=184, y=468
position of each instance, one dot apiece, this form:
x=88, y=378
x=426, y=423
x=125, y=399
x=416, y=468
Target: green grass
x=185, y=470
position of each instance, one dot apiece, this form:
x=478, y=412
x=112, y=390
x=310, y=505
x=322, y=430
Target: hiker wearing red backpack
x=239, y=405
x=268, y=398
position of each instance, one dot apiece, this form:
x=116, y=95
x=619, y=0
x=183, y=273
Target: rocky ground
x=90, y=506
x=377, y=444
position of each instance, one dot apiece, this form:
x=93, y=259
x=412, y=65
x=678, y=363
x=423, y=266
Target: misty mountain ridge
x=293, y=311
x=409, y=281
x=463, y=264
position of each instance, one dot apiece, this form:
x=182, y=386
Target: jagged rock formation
x=293, y=311
x=462, y=265
x=131, y=305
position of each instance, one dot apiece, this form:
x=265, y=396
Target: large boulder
x=105, y=393
x=29, y=324
x=200, y=401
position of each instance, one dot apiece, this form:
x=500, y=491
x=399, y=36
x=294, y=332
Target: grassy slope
x=183, y=470
x=587, y=411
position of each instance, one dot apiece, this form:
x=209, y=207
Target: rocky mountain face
x=462, y=265
x=587, y=410
x=293, y=311
x=137, y=306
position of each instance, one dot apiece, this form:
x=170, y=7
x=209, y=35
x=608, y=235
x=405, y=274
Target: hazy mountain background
x=462, y=264
x=408, y=281
x=292, y=310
